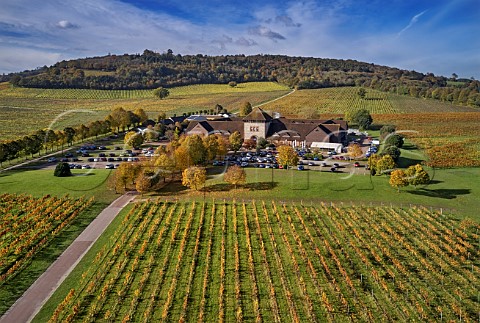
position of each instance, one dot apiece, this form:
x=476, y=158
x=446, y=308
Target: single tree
x=164, y=165
x=194, y=177
x=416, y=175
x=161, y=93
x=235, y=175
x=70, y=134
x=134, y=139
x=398, y=179
x=386, y=130
x=232, y=84
x=372, y=163
x=245, y=109
x=62, y=170
x=395, y=140
x=141, y=115
x=261, y=143
x=354, y=151
x=236, y=141
x=385, y=165
x=362, y=92
x=197, y=154
x=361, y=117
x=146, y=181
x=211, y=146
x=287, y=156
x=392, y=151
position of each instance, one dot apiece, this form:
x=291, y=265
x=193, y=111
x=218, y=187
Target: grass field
x=272, y=262
x=342, y=100
x=18, y=105
x=453, y=189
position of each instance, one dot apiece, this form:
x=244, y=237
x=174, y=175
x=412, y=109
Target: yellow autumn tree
x=398, y=179
x=194, y=177
x=416, y=175
x=287, y=156
x=354, y=151
x=235, y=175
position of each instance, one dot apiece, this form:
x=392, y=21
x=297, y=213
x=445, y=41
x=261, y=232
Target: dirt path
x=273, y=100
x=30, y=303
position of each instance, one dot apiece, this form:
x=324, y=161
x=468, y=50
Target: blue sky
x=437, y=36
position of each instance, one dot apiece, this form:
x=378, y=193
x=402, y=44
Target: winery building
x=327, y=134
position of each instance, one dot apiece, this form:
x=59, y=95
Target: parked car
x=86, y=167
x=52, y=159
x=357, y=164
x=109, y=166
x=300, y=167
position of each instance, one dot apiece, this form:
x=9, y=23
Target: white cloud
x=34, y=33
x=65, y=24
x=412, y=22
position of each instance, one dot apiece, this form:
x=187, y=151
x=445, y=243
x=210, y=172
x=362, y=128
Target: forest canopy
x=151, y=70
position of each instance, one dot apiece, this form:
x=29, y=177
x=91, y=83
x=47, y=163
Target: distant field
x=25, y=110
x=341, y=100
x=273, y=262
x=201, y=89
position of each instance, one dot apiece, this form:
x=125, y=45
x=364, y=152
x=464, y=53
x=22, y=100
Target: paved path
x=30, y=303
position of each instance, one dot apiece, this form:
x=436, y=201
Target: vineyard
x=89, y=94
x=344, y=99
x=449, y=139
x=28, y=224
x=273, y=262
x=17, y=104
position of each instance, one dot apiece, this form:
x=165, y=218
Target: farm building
x=294, y=132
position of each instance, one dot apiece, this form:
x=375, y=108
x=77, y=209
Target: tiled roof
x=257, y=114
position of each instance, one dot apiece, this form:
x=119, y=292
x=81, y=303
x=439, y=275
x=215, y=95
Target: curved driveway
x=30, y=303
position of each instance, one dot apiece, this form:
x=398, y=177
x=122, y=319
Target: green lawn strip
x=15, y=287
x=453, y=189
x=85, y=183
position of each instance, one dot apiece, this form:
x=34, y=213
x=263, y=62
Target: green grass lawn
x=455, y=190
x=40, y=182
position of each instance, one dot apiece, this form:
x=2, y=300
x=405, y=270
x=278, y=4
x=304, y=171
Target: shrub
x=62, y=170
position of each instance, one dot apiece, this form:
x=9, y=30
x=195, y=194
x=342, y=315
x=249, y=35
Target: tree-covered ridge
x=152, y=70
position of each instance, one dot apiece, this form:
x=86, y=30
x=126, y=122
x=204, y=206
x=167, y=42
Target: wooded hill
x=152, y=70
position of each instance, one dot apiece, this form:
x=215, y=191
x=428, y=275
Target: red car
x=356, y=164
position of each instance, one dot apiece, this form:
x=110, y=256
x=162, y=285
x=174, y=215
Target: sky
x=428, y=36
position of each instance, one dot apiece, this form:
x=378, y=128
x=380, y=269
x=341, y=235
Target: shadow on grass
x=443, y=193
x=172, y=188
x=259, y=186
x=404, y=162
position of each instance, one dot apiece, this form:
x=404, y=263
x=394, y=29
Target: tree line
x=151, y=70
x=50, y=140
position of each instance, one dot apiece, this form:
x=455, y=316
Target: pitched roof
x=257, y=114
